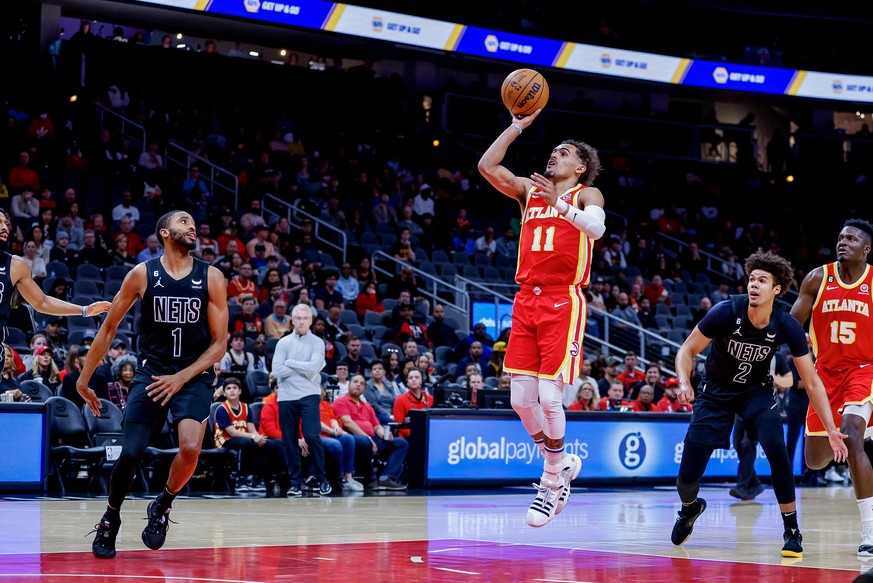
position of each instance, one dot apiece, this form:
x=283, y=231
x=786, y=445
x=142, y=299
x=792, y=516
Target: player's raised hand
x=838, y=444
x=523, y=121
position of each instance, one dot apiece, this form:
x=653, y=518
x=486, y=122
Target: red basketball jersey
x=841, y=330
x=551, y=251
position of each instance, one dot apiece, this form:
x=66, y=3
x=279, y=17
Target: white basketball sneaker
x=572, y=466
x=544, y=506
x=866, y=548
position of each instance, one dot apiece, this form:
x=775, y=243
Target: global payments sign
x=471, y=448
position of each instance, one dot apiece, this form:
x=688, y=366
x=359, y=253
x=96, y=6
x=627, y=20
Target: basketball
x=524, y=91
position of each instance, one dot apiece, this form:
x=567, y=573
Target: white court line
x=457, y=571
x=323, y=559
x=158, y=577
x=445, y=550
x=561, y=581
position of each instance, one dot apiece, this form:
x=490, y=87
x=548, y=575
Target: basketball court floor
x=603, y=535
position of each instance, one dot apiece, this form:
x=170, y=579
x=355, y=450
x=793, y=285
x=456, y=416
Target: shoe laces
x=867, y=539
x=546, y=492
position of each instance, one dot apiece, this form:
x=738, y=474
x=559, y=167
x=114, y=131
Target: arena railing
x=323, y=232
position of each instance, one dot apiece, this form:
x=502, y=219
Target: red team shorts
x=848, y=387
x=548, y=325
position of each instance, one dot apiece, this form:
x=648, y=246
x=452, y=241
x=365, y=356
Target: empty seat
x=87, y=271
x=349, y=317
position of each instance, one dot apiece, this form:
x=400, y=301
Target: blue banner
x=470, y=448
x=738, y=77
x=508, y=46
x=496, y=317
x=303, y=13
x=22, y=455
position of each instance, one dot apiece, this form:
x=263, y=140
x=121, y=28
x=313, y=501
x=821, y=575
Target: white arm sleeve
x=591, y=221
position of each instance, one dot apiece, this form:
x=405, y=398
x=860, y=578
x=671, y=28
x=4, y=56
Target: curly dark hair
x=779, y=267
x=588, y=155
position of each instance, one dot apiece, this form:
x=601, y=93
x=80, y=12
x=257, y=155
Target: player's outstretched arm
x=498, y=175
x=818, y=397
x=685, y=357
x=802, y=308
x=166, y=386
x=132, y=288
x=22, y=277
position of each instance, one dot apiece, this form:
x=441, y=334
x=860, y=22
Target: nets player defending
x=562, y=216
x=838, y=298
x=745, y=331
x=183, y=333
x=15, y=273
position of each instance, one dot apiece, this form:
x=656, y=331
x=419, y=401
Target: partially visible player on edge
x=838, y=298
x=183, y=333
x=562, y=216
x=14, y=272
x=746, y=331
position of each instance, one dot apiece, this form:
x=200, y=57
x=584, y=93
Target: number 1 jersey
x=174, y=328
x=551, y=251
x=840, y=328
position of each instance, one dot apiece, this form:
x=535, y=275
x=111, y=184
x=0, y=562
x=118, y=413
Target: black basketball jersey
x=6, y=290
x=741, y=353
x=174, y=330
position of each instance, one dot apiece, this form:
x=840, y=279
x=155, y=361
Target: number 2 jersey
x=551, y=251
x=739, y=359
x=840, y=328
x=174, y=328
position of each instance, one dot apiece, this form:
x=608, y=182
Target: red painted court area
x=441, y=561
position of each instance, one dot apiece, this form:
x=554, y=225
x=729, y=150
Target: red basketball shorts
x=849, y=387
x=548, y=326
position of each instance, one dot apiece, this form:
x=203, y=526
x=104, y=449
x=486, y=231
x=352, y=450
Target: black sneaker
x=103, y=546
x=792, y=547
x=311, y=485
x=685, y=523
x=325, y=488
x=155, y=533
x=294, y=492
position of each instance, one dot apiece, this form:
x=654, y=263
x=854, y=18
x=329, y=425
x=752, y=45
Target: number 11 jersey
x=551, y=251
x=174, y=328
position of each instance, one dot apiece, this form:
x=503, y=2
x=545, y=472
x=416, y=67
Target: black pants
x=296, y=415
x=261, y=460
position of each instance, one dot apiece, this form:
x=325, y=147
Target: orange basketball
x=524, y=91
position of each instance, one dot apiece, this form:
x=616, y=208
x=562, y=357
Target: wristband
x=562, y=207
x=84, y=311
x=517, y=127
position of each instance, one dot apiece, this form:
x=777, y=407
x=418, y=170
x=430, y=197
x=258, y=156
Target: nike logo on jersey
x=557, y=305
x=830, y=287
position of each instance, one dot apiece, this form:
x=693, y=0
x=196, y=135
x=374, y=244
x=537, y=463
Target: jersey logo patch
x=574, y=349
x=864, y=288
x=830, y=287
x=770, y=336
x=158, y=283
x=739, y=331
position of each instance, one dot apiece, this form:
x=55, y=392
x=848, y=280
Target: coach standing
x=297, y=365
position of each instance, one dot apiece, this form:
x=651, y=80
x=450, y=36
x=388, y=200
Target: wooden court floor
x=473, y=536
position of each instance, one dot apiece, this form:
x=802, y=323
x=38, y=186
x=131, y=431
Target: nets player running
x=838, y=298
x=15, y=273
x=745, y=331
x=183, y=333
x=562, y=216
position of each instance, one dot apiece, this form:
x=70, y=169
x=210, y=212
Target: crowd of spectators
x=83, y=204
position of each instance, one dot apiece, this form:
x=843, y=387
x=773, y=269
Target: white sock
x=865, y=507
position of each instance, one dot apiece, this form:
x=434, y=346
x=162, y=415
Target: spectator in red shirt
x=585, y=398
x=371, y=439
x=669, y=403
x=645, y=403
x=407, y=328
x=242, y=286
x=614, y=399
x=23, y=175
x=414, y=398
x=655, y=290
x=631, y=374
x=339, y=445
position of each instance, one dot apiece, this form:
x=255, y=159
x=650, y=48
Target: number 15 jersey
x=174, y=328
x=551, y=251
x=840, y=329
